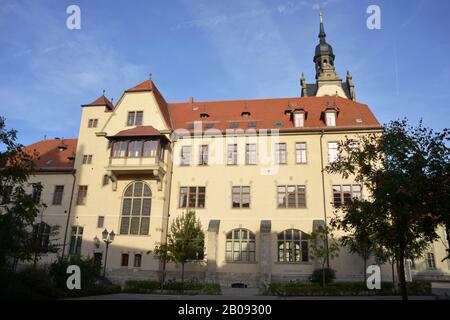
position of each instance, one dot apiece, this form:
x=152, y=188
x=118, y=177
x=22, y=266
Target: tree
x=318, y=247
x=18, y=209
x=185, y=241
x=395, y=168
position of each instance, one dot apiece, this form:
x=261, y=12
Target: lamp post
x=107, y=238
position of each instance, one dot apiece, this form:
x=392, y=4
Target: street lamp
x=107, y=238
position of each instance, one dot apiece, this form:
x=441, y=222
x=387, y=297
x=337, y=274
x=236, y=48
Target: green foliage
x=172, y=287
x=142, y=286
x=318, y=275
x=404, y=170
x=192, y=287
x=90, y=273
x=185, y=241
x=339, y=289
x=19, y=209
x=30, y=283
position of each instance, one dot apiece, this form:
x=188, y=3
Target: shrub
x=317, y=275
x=192, y=287
x=340, y=289
x=141, y=286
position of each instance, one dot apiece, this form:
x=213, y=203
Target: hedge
x=340, y=289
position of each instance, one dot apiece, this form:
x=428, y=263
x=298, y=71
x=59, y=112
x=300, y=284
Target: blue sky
x=216, y=50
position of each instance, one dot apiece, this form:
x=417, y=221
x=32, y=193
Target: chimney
x=191, y=100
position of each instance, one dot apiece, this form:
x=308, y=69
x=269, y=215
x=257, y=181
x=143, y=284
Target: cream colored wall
x=330, y=90
x=218, y=178
x=54, y=215
x=102, y=200
x=134, y=101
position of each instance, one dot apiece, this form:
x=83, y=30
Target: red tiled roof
x=271, y=113
x=140, y=131
x=149, y=85
x=48, y=156
x=101, y=101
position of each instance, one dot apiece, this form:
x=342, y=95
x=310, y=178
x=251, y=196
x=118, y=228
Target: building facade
x=251, y=169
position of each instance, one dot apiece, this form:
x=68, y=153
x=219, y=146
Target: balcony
x=138, y=151
x=152, y=166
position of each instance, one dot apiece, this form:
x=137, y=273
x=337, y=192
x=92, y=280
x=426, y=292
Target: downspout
x=68, y=214
x=324, y=198
x=163, y=278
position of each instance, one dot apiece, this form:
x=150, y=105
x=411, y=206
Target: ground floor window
x=292, y=246
x=76, y=240
x=240, y=246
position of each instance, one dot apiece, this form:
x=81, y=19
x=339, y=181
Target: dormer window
x=299, y=119
x=245, y=114
x=330, y=118
x=204, y=115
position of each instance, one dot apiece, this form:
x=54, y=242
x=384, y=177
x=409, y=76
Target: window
x=139, y=117
x=92, y=123
x=58, y=195
x=82, y=194
x=136, y=207
x=41, y=236
x=185, y=156
x=100, y=221
x=150, y=149
x=192, y=197
x=137, y=260
x=124, y=259
x=299, y=119
x=342, y=194
x=203, y=155
x=240, y=197
x=36, y=193
x=292, y=246
x=280, y=153
x=300, y=152
x=240, y=246
x=291, y=196
x=87, y=159
x=250, y=153
x=135, y=149
x=105, y=180
x=120, y=149
x=76, y=240
x=232, y=154
x=431, y=263
x=333, y=152
x=330, y=118
x=135, y=118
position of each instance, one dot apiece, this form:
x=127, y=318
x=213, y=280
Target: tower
x=328, y=82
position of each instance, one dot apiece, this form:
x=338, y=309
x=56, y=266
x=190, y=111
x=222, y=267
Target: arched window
x=240, y=246
x=136, y=207
x=292, y=246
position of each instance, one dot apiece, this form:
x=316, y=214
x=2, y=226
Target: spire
x=322, y=33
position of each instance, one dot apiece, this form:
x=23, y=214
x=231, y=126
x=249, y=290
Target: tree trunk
x=393, y=273
x=402, y=272
x=323, y=275
x=365, y=270
x=182, y=273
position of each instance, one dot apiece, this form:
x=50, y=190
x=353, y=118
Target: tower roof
x=323, y=48
x=102, y=101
